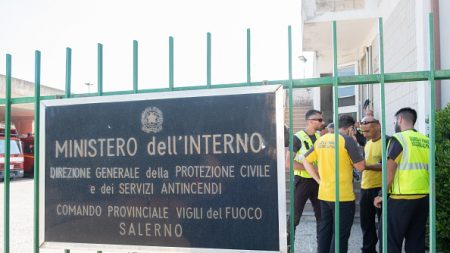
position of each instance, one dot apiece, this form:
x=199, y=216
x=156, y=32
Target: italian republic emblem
x=151, y=120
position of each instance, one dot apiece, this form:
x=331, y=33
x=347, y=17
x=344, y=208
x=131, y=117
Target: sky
x=52, y=25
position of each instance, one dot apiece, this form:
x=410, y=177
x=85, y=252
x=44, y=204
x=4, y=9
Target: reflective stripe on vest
x=411, y=176
x=306, y=145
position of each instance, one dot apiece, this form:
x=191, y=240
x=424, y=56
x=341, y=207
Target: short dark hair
x=346, y=121
x=407, y=114
x=311, y=113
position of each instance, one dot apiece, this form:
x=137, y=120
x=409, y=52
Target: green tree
x=443, y=179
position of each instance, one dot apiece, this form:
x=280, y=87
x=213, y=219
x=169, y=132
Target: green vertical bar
x=249, y=79
x=68, y=81
x=135, y=66
x=37, y=94
x=432, y=120
x=289, y=45
x=291, y=148
x=383, y=136
x=7, y=151
x=336, y=139
x=171, y=74
x=68, y=71
x=208, y=60
x=99, y=69
x=100, y=74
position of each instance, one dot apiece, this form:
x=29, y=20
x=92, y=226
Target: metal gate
x=382, y=78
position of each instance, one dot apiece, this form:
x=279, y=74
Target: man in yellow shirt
x=370, y=183
x=407, y=179
x=323, y=152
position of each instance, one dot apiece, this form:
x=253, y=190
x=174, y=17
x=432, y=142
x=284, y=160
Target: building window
x=347, y=94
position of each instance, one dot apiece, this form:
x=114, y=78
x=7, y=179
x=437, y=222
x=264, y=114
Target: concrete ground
x=305, y=238
x=21, y=217
x=21, y=224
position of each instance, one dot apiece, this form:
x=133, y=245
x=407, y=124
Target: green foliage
x=443, y=179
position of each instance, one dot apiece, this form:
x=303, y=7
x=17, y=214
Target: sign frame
x=279, y=117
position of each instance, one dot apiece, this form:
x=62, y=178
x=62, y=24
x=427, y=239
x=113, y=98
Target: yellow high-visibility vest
x=304, y=139
x=411, y=176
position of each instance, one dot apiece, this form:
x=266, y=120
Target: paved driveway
x=21, y=223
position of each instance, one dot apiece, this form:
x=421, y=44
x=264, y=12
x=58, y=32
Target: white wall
x=444, y=20
x=400, y=55
x=406, y=49
x=22, y=88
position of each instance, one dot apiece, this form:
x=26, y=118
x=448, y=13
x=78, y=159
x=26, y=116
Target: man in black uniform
x=305, y=186
x=408, y=184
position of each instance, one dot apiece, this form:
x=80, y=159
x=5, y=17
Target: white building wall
x=444, y=20
x=22, y=115
x=400, y=55
x=406, y=49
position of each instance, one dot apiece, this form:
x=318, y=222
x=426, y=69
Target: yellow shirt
x=370, y=178
x=323, y=152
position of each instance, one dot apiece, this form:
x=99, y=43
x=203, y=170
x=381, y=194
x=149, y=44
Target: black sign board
x=188, y=170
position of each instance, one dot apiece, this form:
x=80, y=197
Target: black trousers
x=305, y=188
x=407, y=219
x=368, y=213
x=326, y=226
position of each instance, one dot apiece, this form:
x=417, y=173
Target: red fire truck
x=28, y=154
x=16, y=153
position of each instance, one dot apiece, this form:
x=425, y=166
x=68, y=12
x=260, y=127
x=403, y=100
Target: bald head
x=368, y=118
x=369, y=113
x=370, y=127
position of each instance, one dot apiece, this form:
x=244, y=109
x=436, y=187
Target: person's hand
x=377, y=201
x=352, y=134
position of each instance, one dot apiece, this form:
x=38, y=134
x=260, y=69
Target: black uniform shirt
x=395, y=148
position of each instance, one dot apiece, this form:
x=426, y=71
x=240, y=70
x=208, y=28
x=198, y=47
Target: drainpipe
x=437, y=46
x=369, y=71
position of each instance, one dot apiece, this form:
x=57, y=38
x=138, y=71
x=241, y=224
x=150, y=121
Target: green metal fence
x=289, y=84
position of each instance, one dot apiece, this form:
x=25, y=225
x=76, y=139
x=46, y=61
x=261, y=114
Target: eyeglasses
x=368, y=122
x=320, y=120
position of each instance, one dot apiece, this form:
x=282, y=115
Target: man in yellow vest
x=349, y=157
x=370, y=183
x=407, y=179
x=305, y=186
